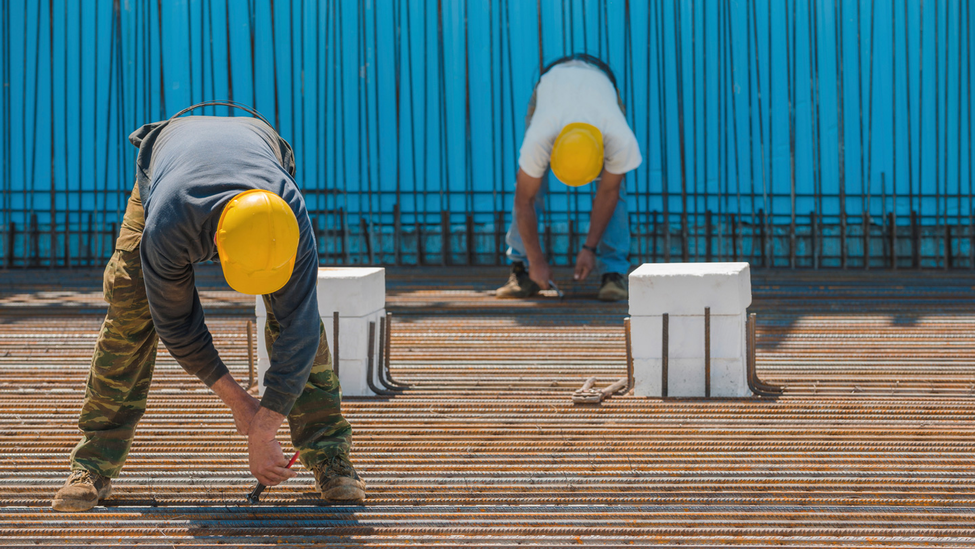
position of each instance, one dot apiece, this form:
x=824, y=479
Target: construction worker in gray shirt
x=210, y=187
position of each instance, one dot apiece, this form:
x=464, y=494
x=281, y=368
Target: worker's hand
x=540, y=272
x=244, y=410
x=585, y=263
x=267, y=463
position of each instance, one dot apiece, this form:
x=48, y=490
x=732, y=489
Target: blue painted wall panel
x=422, y=104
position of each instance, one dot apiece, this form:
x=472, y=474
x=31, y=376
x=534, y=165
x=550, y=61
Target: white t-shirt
x=576, y=91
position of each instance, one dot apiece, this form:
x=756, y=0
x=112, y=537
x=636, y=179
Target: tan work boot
x=337, y=480
x=613, y=288
x=519, y=284
x=82, y=491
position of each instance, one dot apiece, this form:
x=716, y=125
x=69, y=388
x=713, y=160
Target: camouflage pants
x=125, y=354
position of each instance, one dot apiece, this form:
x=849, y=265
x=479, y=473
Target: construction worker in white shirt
x=576, y=125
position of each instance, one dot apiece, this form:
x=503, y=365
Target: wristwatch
x=590, y=248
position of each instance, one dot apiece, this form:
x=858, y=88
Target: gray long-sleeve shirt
x=188, y=169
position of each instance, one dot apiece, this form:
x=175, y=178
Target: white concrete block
x=352, y=291
x=687, y=336
x=353, y=352
x=359, y=296
x=683, y=291
x=686, y=378
x=687, y=288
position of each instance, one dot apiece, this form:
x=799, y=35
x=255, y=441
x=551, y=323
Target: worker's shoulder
x=576, y=71
x=223, y=121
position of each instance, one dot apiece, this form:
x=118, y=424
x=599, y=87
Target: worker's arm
x=295, y=308
x=242, y=405
x=526, y=189
x=266, y=460
x=603, y=206
x=174, y=304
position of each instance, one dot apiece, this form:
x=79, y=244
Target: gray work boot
x=82, y=491
x=337, y=480
x=613, y=288
x=519, y=284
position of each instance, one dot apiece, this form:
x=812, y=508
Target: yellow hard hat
x=577, y=157
x=257, y=239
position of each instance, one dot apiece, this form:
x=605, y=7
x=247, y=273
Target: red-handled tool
x=256, y=494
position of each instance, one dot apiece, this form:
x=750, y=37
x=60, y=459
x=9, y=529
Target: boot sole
x=74, y=505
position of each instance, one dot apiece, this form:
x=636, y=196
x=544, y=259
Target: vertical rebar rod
x=629, y=353
x=468, y=153
x=445, y=244
x=371, y=366
x=971, y=182
x=443, y=141
x=907, y=96
x=679, y=61
x=707, y=352
x=381, y=359
x=388, y=342
x=958, y=129
x=766, y=178
x=893, y=240
x=499, y=250
x=729, y=51
x=814, y=238
x=413, y=129
x=52, y=192
x=790, y=67
x=841, y=114
x=661, y=92
x=750, y=350
x=868, y=177
x=817, y=164
x=749, y=25
x=469, y=230
x=664, y=354
x=5, y=192
x=694, y=131
x=709, y=238
x=937, y=143
x=397, y=228
x=915, y=241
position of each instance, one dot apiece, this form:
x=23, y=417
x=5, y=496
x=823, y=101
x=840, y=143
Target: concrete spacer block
x=686, y=378
x=687, y=288
x=352, y=291
x=353, y=352
x=687, y=336
x=359, y=296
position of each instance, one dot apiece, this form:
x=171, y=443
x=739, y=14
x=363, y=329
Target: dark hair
x=591, y=59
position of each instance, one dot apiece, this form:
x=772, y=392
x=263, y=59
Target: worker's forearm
x=229, y=392
x=603, y=207
x=528, y=228
x=265, y=424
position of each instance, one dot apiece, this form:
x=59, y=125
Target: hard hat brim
x=257, y=283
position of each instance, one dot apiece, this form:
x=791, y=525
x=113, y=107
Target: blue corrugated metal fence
x=785, y=132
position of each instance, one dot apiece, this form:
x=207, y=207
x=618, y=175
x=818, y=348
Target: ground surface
x=871, y=444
